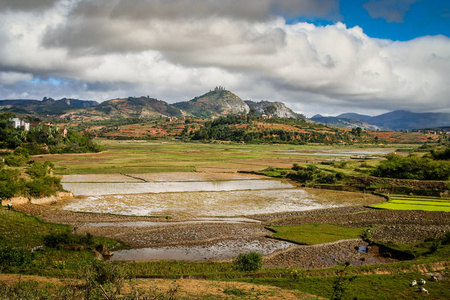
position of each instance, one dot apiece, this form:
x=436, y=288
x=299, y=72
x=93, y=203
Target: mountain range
x=212, y=104
x=395, y=120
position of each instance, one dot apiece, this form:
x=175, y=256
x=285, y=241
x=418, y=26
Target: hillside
x=214, y=103
x=142, y=107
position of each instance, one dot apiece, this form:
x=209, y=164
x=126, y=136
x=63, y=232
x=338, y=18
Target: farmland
x=400, y=202
x=332, y=231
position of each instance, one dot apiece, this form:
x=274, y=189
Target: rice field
x=416, y=203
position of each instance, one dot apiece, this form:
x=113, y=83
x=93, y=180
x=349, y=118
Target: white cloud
x=105, y=49
x=10, y=78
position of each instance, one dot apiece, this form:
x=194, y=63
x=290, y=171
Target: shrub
x=15, y=160
x=21, y=152
x=55, y=240
x=251, y=261
x=38, y=169
x=11, y=257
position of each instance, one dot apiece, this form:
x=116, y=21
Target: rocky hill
x=214, y=103
x=269, y=108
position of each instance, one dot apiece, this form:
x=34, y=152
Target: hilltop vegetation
x=252, y=129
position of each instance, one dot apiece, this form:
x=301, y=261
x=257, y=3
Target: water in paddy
x=192, y=204
x=216, y=250
x=112, y=188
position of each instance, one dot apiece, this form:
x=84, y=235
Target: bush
x=57, y=240
x=15, y=160
x=12, y=257
x=43, y=187
x=21, y=152
x=39, y=170
x=397, y=166
x=10, y=184
x=251, y=261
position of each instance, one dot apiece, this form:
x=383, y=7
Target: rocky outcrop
x=276, y=109
x=214, y=103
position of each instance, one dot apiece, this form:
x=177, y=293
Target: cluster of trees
x=312, y=174
x=44, y=138
x=40, y=181
x=420, y=168
x=230, y=128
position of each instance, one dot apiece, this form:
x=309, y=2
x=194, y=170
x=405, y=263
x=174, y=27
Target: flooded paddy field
x=164, y=195
x=190, y=216
x=217, y=250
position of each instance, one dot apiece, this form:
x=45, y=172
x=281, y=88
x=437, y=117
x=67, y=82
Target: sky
x=317, y=56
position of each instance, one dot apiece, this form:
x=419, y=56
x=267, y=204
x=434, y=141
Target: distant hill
x=406, y=120
x=47, y=106
x=214, y=103
x=344, y=122
x=141, y=107
x=353, y=116
x=395, y=120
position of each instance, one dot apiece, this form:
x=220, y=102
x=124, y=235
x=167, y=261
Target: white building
x=19, y=123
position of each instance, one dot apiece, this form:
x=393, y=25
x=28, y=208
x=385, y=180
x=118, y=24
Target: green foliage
x=410, y=167
x=312, y=174
x=103, y=272
x=10, y=184
x=19, y=157
x=251, y=261
x=44, y=186
x=59, y=239
x=441, y=155
x=12, y=257
x=40, y=170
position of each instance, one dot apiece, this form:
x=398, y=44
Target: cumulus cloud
x=10, y=78
x=390, y=10
x=176, y=50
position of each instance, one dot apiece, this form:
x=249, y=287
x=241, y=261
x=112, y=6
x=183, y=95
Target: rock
x=44, y=200
x=15, y=201
x=64, y=195
x=97, y=255
x=103, y=250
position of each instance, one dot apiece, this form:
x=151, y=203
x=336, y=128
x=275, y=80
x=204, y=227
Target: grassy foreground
x=78, y=276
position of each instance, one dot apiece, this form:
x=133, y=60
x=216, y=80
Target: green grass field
x=416, y=203
x=316, y=233
x=174, y=156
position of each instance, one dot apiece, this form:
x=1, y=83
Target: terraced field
x=416, y=203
